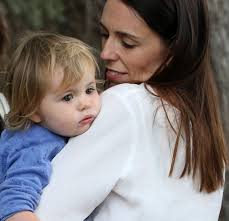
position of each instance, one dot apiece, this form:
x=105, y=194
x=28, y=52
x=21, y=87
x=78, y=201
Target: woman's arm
x=90, y=165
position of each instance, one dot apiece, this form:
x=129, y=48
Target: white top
x=4, y=106
x=123, y=163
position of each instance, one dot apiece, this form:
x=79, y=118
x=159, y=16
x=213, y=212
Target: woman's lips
x=87, y=120
x=112, y=75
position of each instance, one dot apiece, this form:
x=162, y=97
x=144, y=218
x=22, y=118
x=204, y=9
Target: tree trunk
x=219, y=12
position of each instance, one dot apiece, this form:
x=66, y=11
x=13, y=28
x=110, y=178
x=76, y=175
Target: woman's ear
x=36, y=118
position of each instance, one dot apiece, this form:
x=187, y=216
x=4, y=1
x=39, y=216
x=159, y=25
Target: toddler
x=51, y=89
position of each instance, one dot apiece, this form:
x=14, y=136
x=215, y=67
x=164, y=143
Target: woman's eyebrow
x=102, y=25
x=121, y=33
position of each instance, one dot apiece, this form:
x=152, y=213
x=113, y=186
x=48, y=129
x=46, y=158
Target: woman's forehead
x=118, y=17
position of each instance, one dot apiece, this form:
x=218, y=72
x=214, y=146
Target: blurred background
x=70, y=17
x=79, y=18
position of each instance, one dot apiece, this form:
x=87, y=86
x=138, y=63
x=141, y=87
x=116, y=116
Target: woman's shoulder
x=126, y=89
x=129, y=94
x=143, y=100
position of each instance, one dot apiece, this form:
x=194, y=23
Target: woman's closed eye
x=127, y=42
x=128, y=45
x=67, y=97
x=104, y=35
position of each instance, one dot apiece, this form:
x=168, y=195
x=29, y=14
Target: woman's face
x=131, y=50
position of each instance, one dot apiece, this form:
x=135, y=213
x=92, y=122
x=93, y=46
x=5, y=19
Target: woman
x=156, y=151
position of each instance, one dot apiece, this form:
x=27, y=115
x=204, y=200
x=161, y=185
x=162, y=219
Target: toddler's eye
x=67, y=97
x=90, y=90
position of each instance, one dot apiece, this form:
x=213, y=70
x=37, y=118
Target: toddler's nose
x=84, y=103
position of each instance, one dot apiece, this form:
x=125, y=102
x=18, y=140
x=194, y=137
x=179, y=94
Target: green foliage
x=36, y=14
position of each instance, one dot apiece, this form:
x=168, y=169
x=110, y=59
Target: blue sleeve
x=28, y=171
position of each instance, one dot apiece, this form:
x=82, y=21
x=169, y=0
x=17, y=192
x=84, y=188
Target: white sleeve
x=90, y=165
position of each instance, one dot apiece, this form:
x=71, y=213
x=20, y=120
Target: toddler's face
x=71, y=112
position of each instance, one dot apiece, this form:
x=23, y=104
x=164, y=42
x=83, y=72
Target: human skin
x=131, y=50
x=71, y=111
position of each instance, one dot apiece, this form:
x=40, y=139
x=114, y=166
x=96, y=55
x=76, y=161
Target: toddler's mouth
x=87, y=120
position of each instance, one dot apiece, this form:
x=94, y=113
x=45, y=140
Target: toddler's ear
x=36, y=118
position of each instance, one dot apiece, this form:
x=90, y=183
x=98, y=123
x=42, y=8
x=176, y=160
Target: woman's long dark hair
x=186, y=81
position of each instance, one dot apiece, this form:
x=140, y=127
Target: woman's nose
x=109, y=50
